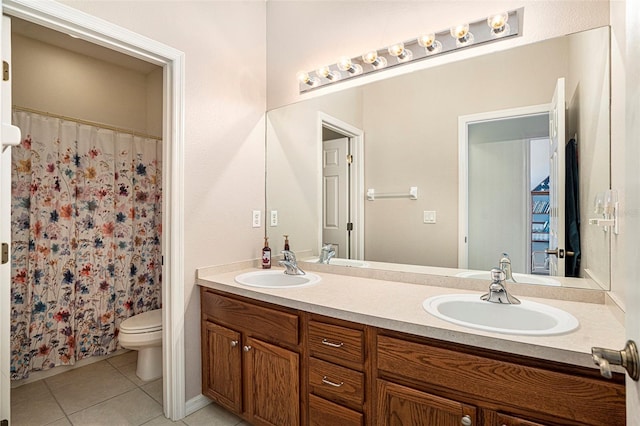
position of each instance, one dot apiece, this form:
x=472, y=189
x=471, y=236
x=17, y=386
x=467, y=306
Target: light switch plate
x=257, y=219
x=429, y=216
x=274, y=217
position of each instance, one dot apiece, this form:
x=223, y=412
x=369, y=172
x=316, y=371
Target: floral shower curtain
x=86, y=246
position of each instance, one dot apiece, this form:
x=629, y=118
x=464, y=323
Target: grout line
x=53, y=395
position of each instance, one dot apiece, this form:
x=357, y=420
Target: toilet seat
x=146, y=322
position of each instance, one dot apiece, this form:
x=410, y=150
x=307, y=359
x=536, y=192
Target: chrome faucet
x=326, y=253
x=290, y=263
x=497, y=291
x=505, y=265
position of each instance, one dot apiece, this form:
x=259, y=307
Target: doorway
x=504, y=157
x=94, y=30
x=342, y=194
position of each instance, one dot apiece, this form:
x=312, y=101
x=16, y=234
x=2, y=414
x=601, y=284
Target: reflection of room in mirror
x=410, y=134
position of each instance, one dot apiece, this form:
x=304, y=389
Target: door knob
x=627, y=358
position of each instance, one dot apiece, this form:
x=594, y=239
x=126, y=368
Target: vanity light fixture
x=498, y=24
x=425, y=46
x=328, y=73
x=462, y=35
x=304, y=78
x=429, y=42
x=374, y=60
x=345, y=64
x=400, y=52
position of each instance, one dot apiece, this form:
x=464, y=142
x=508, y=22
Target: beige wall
x=52, y=79
x=224, y=46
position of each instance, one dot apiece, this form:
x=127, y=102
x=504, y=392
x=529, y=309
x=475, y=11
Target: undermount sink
x=520, y=278
x=527, y=318
x=276, y=279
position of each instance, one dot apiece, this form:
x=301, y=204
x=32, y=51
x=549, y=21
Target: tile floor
x=104, y=393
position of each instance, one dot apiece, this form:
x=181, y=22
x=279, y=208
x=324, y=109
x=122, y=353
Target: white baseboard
x=196, y=403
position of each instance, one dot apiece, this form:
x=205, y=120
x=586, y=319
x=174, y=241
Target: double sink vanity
x=384, y=348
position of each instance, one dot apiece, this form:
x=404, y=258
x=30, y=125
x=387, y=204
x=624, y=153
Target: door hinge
x=5, y=71
x=350, y=226
x=349, y=158
x=5, y=253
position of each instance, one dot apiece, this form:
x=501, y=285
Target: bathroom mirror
x=403, y=133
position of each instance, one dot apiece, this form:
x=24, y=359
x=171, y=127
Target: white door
x=631, y=210
x=9, y=136
x=557, y=180
x=335, y=194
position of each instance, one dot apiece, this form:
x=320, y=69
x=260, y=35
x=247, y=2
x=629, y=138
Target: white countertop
x=398, y=306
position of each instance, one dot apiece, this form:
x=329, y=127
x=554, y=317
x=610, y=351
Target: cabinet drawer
x=584, y=400
x=335, y=343
x=336, y=383
x=267, y=323
x=323, y=413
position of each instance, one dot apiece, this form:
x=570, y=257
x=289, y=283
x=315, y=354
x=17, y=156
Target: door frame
x=464, y=121
x=357, y=178
x=66, y=19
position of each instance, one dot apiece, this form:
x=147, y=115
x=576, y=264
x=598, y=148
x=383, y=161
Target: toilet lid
x=144, y=322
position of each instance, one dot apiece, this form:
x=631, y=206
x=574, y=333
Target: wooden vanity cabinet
x=251, y=360
x=505, y=389
x=337, y=372
x=275, y=366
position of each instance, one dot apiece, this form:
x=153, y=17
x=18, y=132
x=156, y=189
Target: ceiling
x=65, y=41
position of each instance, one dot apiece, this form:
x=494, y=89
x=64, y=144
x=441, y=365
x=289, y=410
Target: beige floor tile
x=34, y=405
x=163, y=421
x=212, y=415
x=131, y=408
x=62, y=422
x=86, y=386
x=129, y=371
x=124, y=359
x=154, y=389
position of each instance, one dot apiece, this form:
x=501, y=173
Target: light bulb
x=462, y=35
x=498, y=24
x=398, y=50
x=345, y=64
x=303, y=77
x=374, y=60
x=429, y=42
x=328, y=74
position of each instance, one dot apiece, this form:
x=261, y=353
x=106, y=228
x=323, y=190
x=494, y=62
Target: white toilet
x=143, y=333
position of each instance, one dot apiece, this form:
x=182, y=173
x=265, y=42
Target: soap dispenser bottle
x=266, y=254
x=286, y=242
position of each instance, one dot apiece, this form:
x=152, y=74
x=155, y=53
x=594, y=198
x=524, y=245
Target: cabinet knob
x=247, y=348
x=466, y=420
x=234, y=343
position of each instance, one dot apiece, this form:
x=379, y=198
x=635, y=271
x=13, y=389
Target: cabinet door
x=402, y=406
x=499, y=419
x=222, y=366
x=272, y=384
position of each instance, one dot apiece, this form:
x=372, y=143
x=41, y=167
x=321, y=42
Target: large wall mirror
x=470, y=135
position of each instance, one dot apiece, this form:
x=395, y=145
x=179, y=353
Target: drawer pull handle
x=234, y=343
x=466, y=420
x=330, y=383
x=333, y=345
x=247, y=348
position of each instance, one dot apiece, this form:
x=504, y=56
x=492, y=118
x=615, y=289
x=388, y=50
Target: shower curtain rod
x=88, y=123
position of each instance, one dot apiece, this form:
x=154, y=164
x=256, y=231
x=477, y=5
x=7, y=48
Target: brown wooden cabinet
x=276, y=366
x=401, y=405
x=336, y=373
x=250, y=360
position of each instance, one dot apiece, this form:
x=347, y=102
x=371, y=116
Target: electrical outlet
x=257, y=219
x=274, y=217
x=429, y=216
